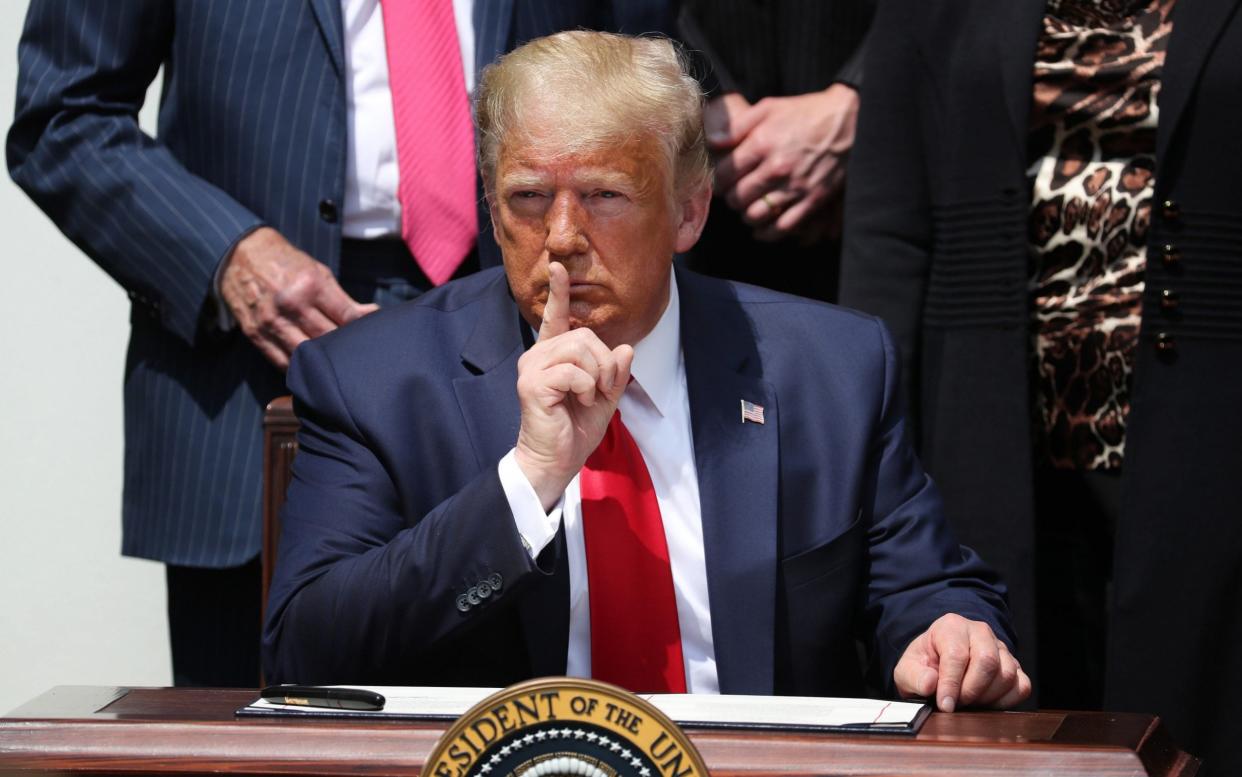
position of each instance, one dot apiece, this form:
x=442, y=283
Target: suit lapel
x=1017, y=30
x=1197, y=25
x=491, y=415
x=328, y=16
x=487, y=397
x=738, y=468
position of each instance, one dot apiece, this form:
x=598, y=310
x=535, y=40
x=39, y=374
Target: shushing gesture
x=568, y=386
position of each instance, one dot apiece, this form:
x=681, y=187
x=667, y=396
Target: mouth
x=579, y=280
x=578, y=286
x=585, y=292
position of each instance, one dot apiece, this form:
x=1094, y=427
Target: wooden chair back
x=280, y=428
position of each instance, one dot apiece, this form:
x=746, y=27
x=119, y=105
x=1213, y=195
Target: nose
x=564, y=222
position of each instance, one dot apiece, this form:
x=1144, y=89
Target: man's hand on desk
x=960, y=662
x=568, y=385
x=280, y=296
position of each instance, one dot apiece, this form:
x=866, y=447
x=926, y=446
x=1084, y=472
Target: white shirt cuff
x=535, y=527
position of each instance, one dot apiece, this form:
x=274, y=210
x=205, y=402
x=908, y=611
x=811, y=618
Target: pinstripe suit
x=251, y=131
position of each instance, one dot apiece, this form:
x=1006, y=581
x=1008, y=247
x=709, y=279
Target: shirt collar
x=657, y=357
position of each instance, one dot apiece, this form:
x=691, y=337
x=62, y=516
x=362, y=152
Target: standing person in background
x=1049, y=221
x=784, y=79
x=271, y=208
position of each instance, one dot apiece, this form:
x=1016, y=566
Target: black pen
x=323, y=696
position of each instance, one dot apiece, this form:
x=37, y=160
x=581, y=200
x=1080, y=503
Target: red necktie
x=635, y=638
x=435, y=137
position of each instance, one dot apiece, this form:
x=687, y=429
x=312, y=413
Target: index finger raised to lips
x=556, y=309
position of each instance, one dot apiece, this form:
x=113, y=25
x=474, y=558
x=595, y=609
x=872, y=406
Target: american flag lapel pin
x=752, y=412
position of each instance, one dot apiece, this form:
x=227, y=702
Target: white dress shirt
x=371, y=208
x=656, y=411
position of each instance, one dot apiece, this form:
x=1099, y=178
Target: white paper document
x=795, y=713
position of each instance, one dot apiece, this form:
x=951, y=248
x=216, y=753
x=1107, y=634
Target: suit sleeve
x=851, y=72
x=361, y=588
x=887, y=245
x=75, y=147
x=918, y=570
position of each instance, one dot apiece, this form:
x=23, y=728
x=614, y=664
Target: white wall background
x=72, y=611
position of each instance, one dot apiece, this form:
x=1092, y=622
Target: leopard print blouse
x=1092, y=145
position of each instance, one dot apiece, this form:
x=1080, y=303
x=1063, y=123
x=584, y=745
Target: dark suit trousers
x=1076, y=520
x=213, y=625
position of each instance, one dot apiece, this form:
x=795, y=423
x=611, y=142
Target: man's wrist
x=548, y=486
x=225, y=320
x=535, y=524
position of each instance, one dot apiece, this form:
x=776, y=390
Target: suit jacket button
x=1165, y=343
x=327, y=211
x=1171, y=210
x=495, y=581
x=463, y=603
x=485, y=589
x=472, y=595
x=1170, y=255
x=1169, y=300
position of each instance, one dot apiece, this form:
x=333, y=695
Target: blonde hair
x=602, y=90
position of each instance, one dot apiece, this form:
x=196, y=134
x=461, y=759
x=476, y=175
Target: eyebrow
x=521, y=179
x=598, y=176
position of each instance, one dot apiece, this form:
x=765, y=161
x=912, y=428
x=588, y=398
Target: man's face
x=609, y=216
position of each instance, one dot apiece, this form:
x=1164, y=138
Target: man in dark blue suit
x=246, y=187
x=444, y=521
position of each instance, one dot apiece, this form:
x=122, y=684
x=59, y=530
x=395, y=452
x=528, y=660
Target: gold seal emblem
x=562, y=727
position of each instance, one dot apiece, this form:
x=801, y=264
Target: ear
x=693, y=210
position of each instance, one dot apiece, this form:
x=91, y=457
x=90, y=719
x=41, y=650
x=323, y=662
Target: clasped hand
x=568, y=386
x=781, y=161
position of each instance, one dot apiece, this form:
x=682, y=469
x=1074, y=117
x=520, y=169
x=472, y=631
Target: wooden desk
x=76, y=729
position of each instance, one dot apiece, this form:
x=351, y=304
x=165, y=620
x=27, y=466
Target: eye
x=525, y=199
x=607, y=194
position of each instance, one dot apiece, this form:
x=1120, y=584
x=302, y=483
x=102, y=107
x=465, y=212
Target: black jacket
x=936, y=244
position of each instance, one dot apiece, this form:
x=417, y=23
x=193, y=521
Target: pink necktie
x=635, y=636
x=435, y=137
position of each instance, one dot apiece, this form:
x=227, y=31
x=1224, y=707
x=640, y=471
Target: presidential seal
x=563, y=727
